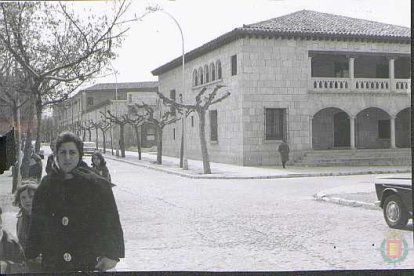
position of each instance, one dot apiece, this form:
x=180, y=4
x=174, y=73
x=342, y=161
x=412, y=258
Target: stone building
x=326, y=83
x=88, y=104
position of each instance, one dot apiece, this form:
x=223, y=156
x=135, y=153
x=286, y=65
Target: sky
x=156, y=39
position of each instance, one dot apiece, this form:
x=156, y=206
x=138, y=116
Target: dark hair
x=27, y=184
x=68, y=136
x=100, y=156
x=1, y=211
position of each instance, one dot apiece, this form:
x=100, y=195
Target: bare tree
x=96, y=126
x=163, y=119
x=121, y=120
x=104, y=126
x=136, y=120
x=202, y=104
x=58, y=47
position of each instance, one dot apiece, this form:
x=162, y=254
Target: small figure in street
x=99, y=165
x=284, y=152
x=49, y=163
x=12, y=258
x=75, y=223
x=34, y=162
x=23, y=199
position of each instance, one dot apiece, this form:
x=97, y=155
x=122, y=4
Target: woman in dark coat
x=75, y=223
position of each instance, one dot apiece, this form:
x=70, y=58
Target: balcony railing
x=360, y=85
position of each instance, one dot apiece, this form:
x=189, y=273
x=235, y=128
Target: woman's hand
x=105, y=264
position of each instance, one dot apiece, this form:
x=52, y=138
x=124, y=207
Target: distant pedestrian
x=99, y=165
x=75, y=223
x=284, y=152
x=35, y=166
x=49, y=163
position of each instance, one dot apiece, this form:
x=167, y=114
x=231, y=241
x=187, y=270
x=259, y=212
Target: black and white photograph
x=205, y=136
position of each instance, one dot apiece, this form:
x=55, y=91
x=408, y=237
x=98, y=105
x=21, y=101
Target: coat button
x=67, y=257
x=65, y=221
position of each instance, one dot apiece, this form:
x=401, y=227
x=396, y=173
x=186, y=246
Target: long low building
x=323, y=82
x=89, y=104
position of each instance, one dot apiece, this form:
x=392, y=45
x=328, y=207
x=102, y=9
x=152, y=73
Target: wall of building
x=272, y=73
x=229, y=148
x=275, y=74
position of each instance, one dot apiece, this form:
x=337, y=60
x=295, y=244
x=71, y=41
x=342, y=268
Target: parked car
x=89, y=147
x=395, y=198
x=41, y=152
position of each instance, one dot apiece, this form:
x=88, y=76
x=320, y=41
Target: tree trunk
x=104, y=140
x=39, y=125
x=182, y=145
x=16, y=166
x=96, y=138
x=121, y=139
x=28, y=143
x=138, y=141
x=203, y=142
x=84, y=135
x=159, y=145
x=90, y=134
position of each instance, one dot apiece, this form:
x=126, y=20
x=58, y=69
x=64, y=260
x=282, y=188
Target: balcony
x=359, y=72
x=359, y=85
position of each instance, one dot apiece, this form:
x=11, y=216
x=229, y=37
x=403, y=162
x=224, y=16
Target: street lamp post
x=116, y=110
x=183, y=142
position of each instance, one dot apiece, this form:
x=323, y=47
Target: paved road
x=174, y=223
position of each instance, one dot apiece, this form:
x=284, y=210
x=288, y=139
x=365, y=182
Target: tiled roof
x=128, y=86
x=303, y=24
x=312, y=22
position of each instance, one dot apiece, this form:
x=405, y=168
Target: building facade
x=89, y=104
x=318, y=80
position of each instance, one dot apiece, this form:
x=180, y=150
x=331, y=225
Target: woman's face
x=96, y=160
x=68, y=156
x=26, y=198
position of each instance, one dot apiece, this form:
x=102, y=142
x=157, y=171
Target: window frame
x=270, y=132
x=219, y=70
x=213, y=128
x=233, y=65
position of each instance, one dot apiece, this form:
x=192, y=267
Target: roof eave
x=239, y=32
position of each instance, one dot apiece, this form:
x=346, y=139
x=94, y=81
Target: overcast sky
x=156, y=39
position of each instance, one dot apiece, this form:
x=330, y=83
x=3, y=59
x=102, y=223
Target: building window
x=234, y=65
x=172, y=97
x=275, y=122
x=173, y=133
x=200, y=74
x=218, y=64
x=384, y=129
x=89, y=101
x=150, y=134
x=195, y=78
x=130, y=98
x=213, y=126
x=207, y=73
x=192, y=121
x=213, y=72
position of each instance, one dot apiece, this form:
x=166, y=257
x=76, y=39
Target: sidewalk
x=357, y=195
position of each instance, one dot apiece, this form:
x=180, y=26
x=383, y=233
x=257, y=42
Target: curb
x=345, y=202
x=291, y=175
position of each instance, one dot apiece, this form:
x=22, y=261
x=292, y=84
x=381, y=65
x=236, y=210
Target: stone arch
x=373, y=128
x=403, y=128
x=330, y=129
